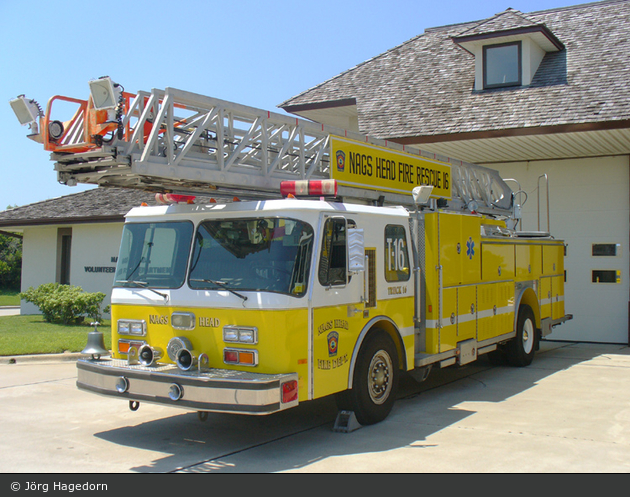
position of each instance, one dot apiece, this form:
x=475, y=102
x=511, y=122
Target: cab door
x=337, y=307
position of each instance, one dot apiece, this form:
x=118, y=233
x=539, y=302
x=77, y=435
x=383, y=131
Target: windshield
x=267, y=254
x=154, y=254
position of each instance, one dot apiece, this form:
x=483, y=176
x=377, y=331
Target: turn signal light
x=124, y=345
x=240, y=357
x=246, y=358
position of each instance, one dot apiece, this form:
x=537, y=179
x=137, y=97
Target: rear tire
x=375, y=380
x=520, y=351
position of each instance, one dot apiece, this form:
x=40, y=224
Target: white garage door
x=589, y=205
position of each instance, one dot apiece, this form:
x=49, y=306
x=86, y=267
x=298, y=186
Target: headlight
x=240, y=334
x=247, y=335
x=132, y=327
x=183, y=320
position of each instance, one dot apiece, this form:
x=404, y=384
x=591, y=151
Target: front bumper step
x=214, y=390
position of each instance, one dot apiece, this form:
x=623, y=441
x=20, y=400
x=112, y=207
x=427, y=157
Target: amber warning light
x=312, y=188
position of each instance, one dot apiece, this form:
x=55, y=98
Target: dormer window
x=508, y=49
x=502, y=65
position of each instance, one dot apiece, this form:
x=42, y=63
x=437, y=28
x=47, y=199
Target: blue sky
x=251, y=52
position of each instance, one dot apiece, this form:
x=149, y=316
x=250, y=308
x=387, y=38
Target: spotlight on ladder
x=55, y=130
x=26, y=110
x=105, y=93
x=95, y=344
x=421, y=194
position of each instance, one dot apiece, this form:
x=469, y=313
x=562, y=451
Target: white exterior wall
x=589, y=203
x=532, y=57
x=92, y=258
x=39, y=261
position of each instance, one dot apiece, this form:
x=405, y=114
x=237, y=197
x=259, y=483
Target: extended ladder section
x=176, y=141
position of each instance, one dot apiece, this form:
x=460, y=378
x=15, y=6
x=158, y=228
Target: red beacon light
x=310, y=188
x=170, y=198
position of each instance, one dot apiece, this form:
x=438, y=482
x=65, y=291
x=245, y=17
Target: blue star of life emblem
x=470, y=248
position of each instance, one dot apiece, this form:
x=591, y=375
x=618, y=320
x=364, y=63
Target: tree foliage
x=10, y=262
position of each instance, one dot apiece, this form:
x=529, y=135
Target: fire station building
x=529, y=94
x=543, y=97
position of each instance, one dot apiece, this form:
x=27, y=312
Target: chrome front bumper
x=214, y=390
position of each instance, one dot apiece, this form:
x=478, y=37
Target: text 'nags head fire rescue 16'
x=360, y=165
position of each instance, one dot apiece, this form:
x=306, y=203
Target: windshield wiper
x=135, y=268
x=221, y=284
x=143, y=284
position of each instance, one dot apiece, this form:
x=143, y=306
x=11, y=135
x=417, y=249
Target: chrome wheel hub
x=379, y=381
x=528, y=336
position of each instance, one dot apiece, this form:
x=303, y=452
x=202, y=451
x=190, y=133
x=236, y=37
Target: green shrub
x=65, y=304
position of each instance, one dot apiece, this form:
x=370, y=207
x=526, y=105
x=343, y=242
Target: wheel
x=520, y=351
x=375, y=380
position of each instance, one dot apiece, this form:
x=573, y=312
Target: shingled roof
x=510, y=19
x=98, y=205
x=95, y=205
x=91, y=206
x=425, y=86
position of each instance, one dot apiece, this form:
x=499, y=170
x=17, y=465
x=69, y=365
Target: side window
x=333, y=260
x=396, y=254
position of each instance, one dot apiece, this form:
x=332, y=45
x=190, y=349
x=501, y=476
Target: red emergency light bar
x=170, y=198
x=313, y=188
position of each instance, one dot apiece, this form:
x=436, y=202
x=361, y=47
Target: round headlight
x=55, y=129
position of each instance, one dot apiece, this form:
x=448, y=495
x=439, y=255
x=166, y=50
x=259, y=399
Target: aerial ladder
x=173, y=141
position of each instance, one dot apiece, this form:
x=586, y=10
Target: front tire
x=375, y=380
x=521, y=350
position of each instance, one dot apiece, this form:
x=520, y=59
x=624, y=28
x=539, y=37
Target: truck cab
x=238, y=294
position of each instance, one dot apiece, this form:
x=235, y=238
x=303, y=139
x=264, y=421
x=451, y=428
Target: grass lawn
x=21, y=335
x=9, y=297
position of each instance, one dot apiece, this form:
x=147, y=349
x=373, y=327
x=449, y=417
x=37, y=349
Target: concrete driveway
x=567, y=412
x=9, y=310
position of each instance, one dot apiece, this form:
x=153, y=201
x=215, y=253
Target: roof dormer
x=508, y=49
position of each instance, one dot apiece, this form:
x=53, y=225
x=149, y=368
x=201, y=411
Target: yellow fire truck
x=326, y=263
